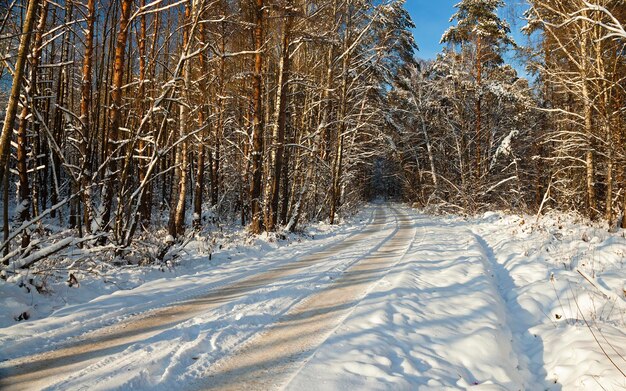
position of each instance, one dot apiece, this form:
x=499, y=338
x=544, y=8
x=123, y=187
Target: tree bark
x=588, y=127
x=176, y=224
x=199, y=182
x=343, y=111
x=326, y=98
x=478, y=107
x=11, y=111
x=280, y=120
x=115, y=113
x=85, y=106
x=5, y=213
x=197, y=193
x=142, y=146
x=624, y=210
x=24, y=191
x=257, y=124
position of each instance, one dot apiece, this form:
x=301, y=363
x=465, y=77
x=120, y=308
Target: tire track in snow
x=29, y=344
x=274, y=356
x=514, y=314
x=373, y=287
x=275, y=300
x=47, y=368
x=435, y=324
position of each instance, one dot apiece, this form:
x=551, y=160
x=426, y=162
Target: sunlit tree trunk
x=257, y=123
x=588, y=125
x=24, y=193
x=176, y=224
x=115, y=113
x=18, y=73
x=142, y=145
x=200, y=148
x=478, y=106
x=343, y=104
x=85, y=118
x=280, y=120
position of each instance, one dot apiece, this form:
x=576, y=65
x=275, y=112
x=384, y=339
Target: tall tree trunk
x=200, y=149
x=176, y=224
x=24, y=193
x=214, y=159
x=36, y=123
x=85, y=119
x=62, y=98
x=142, y=146
x=286, y=194
x=326, y=98
x=280, y=120
x=478, y=107
x=115, y=113
x=606, y=89
x=343, y=111
x=588, y=115
x=257, y=123
x=145, y=206
x=18, y=73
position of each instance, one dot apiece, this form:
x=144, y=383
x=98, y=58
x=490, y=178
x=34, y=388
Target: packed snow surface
x=393, y=299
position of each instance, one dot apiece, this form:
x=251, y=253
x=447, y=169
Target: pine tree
x=479, y=24
x=485, y=36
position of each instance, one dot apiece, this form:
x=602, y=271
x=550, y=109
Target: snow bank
x=568, y=278
x=491, y=303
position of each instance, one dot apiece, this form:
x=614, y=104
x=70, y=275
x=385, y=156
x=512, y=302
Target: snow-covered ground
x=496, y=302
x=491, y=303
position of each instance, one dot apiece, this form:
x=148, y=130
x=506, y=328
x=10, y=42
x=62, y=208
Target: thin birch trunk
x=176, y=224
x=85, y=119
x=280, y=120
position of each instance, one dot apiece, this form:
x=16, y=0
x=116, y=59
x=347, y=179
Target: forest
x=291, y=195
x=133, y=123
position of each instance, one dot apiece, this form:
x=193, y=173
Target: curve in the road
x=268, y=360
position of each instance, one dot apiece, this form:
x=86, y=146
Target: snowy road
x=271, y=358
x=101, y=349
x=399, y=301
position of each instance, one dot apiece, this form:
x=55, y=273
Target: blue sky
x=431, y=18
x=431, y=21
